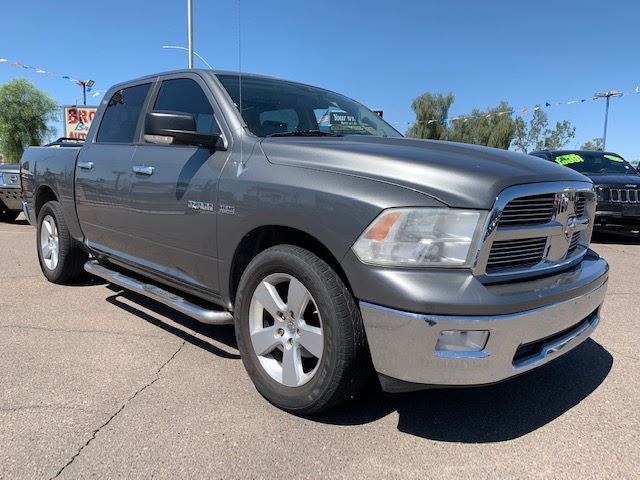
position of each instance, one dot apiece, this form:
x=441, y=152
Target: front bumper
x=624, y=213
x=403, y=344
x=11, y=197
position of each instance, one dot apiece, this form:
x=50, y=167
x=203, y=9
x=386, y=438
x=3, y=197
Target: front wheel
x=299, y=331
x=61, y=260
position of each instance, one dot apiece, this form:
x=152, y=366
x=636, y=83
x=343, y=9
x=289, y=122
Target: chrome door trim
x=142, y=169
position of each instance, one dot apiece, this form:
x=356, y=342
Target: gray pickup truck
x=337, y=247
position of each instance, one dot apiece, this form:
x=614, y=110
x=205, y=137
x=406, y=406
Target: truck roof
x=206, y=71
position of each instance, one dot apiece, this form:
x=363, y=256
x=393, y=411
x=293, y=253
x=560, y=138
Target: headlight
x=421, y=237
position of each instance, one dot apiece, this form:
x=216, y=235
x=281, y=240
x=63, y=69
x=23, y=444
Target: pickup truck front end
x=532, y=292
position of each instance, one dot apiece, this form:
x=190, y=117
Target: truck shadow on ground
x=496, y=413
x=616, y=236
x=220, y=333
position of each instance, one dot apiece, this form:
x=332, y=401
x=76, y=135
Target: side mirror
x=177, y=128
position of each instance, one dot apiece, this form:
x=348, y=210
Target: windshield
x=272, y=107
x=596, y=163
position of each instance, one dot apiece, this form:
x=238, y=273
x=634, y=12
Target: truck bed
x=50, y=169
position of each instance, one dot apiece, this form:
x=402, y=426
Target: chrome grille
x=621, y=195
x=529, y=210
x=536, y=228
x=515, y=253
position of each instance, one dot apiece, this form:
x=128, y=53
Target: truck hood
x=616, y=180
x=459, y=175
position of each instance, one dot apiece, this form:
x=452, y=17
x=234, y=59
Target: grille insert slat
x=575, y=240
x=507, y=254
x=580, y=205
x=531, y=210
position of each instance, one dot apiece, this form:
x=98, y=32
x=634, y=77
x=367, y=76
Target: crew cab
x=335, y=246
x=616, y=182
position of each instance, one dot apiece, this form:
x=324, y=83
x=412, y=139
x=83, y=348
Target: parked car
x=335, y=251
x=616, y=181
x=10, y=192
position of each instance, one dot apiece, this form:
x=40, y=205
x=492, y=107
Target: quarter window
x=121, y=116
x=185, y=95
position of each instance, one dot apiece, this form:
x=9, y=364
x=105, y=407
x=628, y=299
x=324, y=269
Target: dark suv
x=616, y=182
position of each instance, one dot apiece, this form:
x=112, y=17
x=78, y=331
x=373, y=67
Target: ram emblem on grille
x=562, y=202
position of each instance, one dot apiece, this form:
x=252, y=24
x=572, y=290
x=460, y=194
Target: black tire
x=9, y=216
x=345, y=364
x=71, y=258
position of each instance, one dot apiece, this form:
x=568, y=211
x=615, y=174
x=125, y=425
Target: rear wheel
x=299, y=331
x=61, y=259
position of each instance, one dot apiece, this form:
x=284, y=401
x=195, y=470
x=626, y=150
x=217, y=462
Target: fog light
x=462, y=340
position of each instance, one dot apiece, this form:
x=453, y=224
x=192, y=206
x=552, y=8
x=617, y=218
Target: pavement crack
x=630, y=357
x=37, y=407
x=124, y=405
x=74, y=330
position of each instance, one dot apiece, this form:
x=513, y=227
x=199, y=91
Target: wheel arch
x=43, y=195
x=266, y=236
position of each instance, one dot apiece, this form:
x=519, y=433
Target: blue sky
x=380, y=52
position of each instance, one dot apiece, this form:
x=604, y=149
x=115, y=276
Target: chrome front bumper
x=403, y=345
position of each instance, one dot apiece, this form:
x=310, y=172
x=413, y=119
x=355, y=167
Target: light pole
x=84, y=84
x=195, y=53
x=190, y=32
x=607, y=95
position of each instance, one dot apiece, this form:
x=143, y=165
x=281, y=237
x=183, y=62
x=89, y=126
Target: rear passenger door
x=103, y=171
x=174, y=193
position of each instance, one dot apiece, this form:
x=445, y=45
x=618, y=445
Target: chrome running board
x=211, y=317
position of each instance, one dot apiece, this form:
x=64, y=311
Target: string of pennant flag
x=42, y=71
x=525, y=110
x=441, y=121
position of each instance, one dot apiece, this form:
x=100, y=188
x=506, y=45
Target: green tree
x=25, y=113
x=537, y=135
x=492, y=128
x=559, y=136
x=427, y=107
x=595, y=144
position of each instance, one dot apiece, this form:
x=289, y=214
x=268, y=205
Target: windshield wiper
x=305, y=133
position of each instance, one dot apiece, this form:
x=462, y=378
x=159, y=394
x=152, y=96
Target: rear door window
x=186, y=96
x=120, y=119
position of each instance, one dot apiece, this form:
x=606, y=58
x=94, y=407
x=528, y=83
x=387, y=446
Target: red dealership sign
x=77, y=121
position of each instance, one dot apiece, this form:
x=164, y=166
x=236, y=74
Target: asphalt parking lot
x=100, y=383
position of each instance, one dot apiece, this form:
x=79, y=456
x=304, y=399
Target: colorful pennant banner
x=524, y=110
x=41, y=71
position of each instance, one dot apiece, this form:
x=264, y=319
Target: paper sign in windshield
x=569, y=158
x=339, y=120
x=614, y=158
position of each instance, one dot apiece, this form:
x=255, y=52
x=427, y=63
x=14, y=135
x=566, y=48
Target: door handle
x=143, y=170
x=85, y=165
